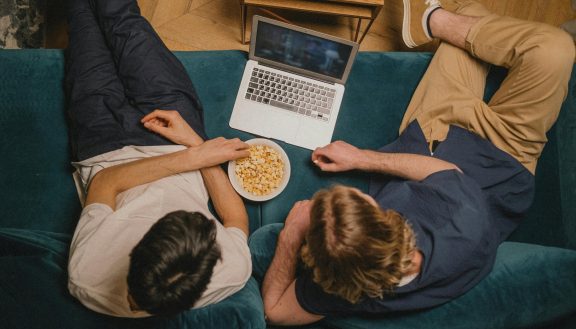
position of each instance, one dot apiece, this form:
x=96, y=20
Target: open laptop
x=293, y=83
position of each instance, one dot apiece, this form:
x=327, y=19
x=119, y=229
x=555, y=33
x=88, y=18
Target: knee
x=262, y=245
x=554, y=50
x=263, y=240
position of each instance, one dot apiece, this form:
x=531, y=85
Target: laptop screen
x=301, y=50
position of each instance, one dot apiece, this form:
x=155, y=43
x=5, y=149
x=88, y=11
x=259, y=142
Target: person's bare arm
x=110, y=182
x=341, y=156
x=227, y=202
x=278, y=289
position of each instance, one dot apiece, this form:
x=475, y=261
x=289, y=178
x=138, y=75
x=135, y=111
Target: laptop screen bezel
x=290, y=68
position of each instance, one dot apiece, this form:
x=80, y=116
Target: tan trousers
x=539, y=58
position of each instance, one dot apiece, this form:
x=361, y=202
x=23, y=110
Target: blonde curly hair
x=353, y=247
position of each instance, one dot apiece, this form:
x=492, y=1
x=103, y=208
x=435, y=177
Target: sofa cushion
x=35, y=162
x=35, y=166
x=530, y=285
x=33, y=292
x=40, y=207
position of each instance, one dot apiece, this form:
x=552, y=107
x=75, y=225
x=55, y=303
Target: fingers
x=334, y=157
x=300, y=206
x=319, y=155
x=156, y=127
x=234, y=143
x=242, y=154
x=321, y=160
x=303, y=204
x=152, y=115
x=155, y=122
x=241, y=145
x=241, y=149
x=327, y=166
x=161, y=114
x=228, y=149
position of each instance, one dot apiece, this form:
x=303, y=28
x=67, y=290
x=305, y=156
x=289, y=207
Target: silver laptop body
x=293, y=83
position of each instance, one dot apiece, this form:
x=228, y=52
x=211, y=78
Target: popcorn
x=262, y=171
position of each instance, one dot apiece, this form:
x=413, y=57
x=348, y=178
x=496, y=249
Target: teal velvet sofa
x=533, y=284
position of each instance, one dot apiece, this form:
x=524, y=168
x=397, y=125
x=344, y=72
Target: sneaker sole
x=406, y=36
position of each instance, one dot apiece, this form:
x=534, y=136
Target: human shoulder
x=232, y=271
x=235, y=266
x=92, y=216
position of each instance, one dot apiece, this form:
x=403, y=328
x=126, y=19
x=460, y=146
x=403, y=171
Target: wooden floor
x=215, y=24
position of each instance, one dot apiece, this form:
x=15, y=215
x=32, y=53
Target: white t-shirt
x=99, y=254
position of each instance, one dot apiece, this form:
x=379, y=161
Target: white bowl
x=285, y=178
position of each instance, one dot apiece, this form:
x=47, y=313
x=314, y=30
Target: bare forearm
x=114, y=180
x=227, y=202
x=410, y=166
x=282, y=270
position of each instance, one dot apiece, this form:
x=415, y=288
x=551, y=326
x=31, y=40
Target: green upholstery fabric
x=33, y=292
x=531, y=285
x=37, y=190
x=555, y=201
x=40, y=210
x=526, y=288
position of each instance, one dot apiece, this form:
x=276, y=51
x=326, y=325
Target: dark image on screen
x=301, y=50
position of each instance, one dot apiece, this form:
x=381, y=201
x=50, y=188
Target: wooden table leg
x=366, y=30
x=357, y=29
x=243, y=13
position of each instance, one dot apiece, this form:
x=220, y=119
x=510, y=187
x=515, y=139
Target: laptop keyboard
x=291, y=94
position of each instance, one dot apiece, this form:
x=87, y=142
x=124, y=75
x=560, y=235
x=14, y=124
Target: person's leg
x=539, y=58
x=152, y=76
x=453, y=85
x=92, y=86
x=262, y=245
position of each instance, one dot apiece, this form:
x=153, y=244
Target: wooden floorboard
x=215, y=24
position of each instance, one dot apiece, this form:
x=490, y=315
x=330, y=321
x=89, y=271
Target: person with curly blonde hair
x=354, y=247
x=443, y=196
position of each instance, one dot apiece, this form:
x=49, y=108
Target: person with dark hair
x=146, y=242
x=179, y=243
x=444, y=195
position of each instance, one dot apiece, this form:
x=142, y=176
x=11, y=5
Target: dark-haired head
x=172, y=265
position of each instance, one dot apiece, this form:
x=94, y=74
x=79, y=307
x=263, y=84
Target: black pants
x=117, y=71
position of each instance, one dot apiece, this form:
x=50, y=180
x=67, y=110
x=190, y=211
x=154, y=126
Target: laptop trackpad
x=282, y=129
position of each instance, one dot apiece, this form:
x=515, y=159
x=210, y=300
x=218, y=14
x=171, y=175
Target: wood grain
x=215, y=24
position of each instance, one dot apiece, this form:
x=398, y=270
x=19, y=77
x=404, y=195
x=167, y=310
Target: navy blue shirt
x=459, y=219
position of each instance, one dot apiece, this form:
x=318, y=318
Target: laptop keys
x=290, y=94
x=283, y=105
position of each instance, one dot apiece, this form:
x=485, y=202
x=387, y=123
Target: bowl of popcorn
x=262, y=175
